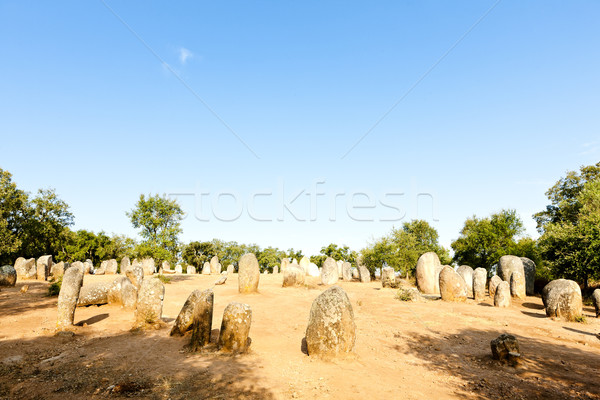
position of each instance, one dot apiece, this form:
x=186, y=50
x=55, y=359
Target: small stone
x=293, y=276
x=235, y=328
x=8, y=275
x=503, y=345
x=221, y=280
x=502, y=296
x=388, y=277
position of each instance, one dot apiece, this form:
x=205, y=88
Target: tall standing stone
x=331, y=330
x=8, y=275
x=467, y=274
x=339, y=263
x=304, y=264
x=479, y=283
x=507, y=265
x=313, y=270
x=235, y=328
x=88, y=267
x=44, y=263
x=427, y=275
x=329, y=272
x=293, y=276
x=388, y=277
x=184, y=320
x=58, y=269
x=562, y=299
x=230, y=269
x=206, y=268
x=494, y=282
x=26, y=269
x=529, y=267
x=69, y=295
x=148, y=266
x=285, y=262
x=179, y=269
x=148, y=310
x=215, y=266
x=596, y=301
x=202, y=316
x=347, y=271
x=190, y=270
x=248, y=273
x=125, y=264
x=364, y=274
x=276, y=269
x=517, y=285
x=502, y=295
x=166, y=266
x=452, y=285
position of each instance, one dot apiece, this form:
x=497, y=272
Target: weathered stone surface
x=122, y=292
x=8, y=275
x=407, y=293
x=148, y=266
x=230, y=269
x=276, y=269
x=206, y=268
x=235, y=328
x=388, y=277
x=166, y=266
x=148, y=310
x=304, y=264
x=190, y=270
x=355, y=274
x=284, y=264
x=111, y=267
x=293, y=276
x=479, y=283
x=438, y=270
x=94, y=294
x=26, y=269
x=69, y=295
x=452, y=285
x=202, y=320
x=507, y=265
x=248, y=273
x=329, y=272
x=529, y=267
x=331, y=329
x=364, y=274
x=427, y=278
x=467, y=274
x=125, y=264
x=517, y=285
x=503, y=345
x=221, y=280
x=313, y=270
x=184, y=320
x=179, y=269
x=596, y=301
x=58, y=269
x=44, y=263
x=346, y=271
x=215, y=265
x=502, y=296
x=136, y=275
x=102, y=268
x=562, y=299
x=340, y=263
x=494, y=282
x=88, y=267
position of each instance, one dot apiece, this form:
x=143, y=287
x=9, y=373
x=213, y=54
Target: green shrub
x=164, y=279
x=54, y=288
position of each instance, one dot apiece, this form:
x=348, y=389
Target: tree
x=197, y=253
x=334, y=251
x=159, y=219
x=13, y=207
x=84, y=244
x=269, y=258
x=483, y=241
x=571, y=244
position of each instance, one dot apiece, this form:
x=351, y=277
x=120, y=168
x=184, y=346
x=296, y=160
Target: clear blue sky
x=102, y=115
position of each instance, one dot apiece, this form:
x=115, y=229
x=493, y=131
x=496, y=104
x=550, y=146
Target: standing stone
x=206, y=268
x=235, y=327
x=102, y=269
x=467, y=274
x=517, y=285
x=58, y=269
x=69, y=296
x=148, y=266
x=248, y=273
x=452, y=285
x=125, y=264
x=331, y=329
x=166, y=266
x=438, y=270
x=230, y=269
x=285, y=262
x=214, y=265
x=88, y=267
x=295, y=262
x=304, y=264
x=293, y=276
x=502, y=295
x=201, y=323
x=111, y=267
x=94, y=294
x=355, y=273
x=276, y=269
x=596, y=300
x=364, y=274
x=329, y=272
x=529, y=267
x=148, y=310
x=8, y=275
x=388, y=277
x=426, y=273
x=313, y=270
x=562, y=299
x=26, y=269
x=479, y=283
x=339, y=263
x=505, y=348
x=507, y=265
x=136, y=276
x=191, y=270
x=347, y=271
x=184, y=320
x=122, y=292
x=44, y=263
x=494, y=282
x=179, y=269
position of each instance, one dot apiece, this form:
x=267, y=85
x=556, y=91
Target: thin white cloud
x=184, y=55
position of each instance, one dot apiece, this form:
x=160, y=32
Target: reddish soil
x=424, y=350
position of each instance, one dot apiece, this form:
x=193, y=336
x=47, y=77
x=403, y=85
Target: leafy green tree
x=197, y=253
x=483, y=241
x=159, y=219
x=336, y=252
x=571, y=245
x=268, y=258
x=291, y=254
x=84, y=244
x=13, y=208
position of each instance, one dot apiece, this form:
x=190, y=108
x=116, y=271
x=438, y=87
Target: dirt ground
x=425, y=350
